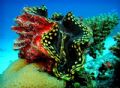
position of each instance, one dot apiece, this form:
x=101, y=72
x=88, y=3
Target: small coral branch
x=42, y=11
x=57, y=16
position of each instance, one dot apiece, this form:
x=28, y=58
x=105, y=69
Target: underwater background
x=10, y=9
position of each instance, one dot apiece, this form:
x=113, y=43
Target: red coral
x=31, y=29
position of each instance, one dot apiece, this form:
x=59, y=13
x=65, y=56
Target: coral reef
x=115, y=49
x=102, y=26
x=22, y=75
x=116, y=78
x=102, y=70
x=55, y=49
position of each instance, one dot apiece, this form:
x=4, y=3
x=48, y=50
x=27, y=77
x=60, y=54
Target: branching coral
x=60, y=43
x=102, y=27
x=115, y=49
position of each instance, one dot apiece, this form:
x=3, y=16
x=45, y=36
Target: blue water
x=9, y=9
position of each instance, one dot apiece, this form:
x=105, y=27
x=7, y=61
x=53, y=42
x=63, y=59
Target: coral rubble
x=59, y=44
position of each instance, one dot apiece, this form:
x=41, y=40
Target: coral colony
x=61, y=43
x=116, y=48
